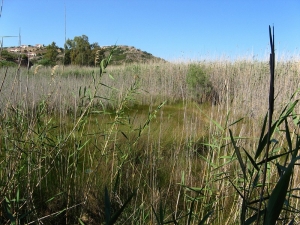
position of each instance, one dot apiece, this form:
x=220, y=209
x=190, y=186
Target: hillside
x=128, y=54
x=121, y=55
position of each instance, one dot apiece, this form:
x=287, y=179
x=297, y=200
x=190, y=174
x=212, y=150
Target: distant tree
x=97, y=54
x=95, y=45
x=78, y=51
x=51, y=53
x=67, y=55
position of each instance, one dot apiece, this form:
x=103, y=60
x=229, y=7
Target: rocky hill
x=128, y=54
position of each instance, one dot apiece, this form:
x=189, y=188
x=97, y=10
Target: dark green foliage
x=119, y=57
x=4, y=63
x=51, y=53
x=8, y=59
x=78, y=51
x=8, y=56
x=46, y=62
x=199, y=85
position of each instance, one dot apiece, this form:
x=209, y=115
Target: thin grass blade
x=107, y=206
x=238, y=154
x=202, y=222
x=119, y=212
x=288, y=135
x=191, y=212
x=156, y=216
x=274, y=157
x=238, y=191
x=251, y=160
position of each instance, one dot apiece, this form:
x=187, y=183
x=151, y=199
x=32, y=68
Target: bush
x=8, y=56
x=199, y=85
x=46, y=62
x=4, y=63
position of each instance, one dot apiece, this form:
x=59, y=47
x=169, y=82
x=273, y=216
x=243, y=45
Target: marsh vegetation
x=139, y=143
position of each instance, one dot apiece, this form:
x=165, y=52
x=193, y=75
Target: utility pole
x=2, y=42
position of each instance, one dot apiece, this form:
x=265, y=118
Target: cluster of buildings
x=36, y=46
x=29, y=54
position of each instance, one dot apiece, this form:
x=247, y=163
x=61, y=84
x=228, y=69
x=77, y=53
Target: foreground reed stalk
x=271, y=110
x=272, y=165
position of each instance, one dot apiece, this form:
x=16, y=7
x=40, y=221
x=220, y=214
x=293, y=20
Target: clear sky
x=170, y=29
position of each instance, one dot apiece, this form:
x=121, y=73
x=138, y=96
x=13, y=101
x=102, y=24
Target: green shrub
x=199, y=84
x=8, y=56
x=4, y=63
x=46, y=62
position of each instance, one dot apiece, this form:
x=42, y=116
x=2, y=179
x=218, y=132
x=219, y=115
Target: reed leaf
x=251, y=160
x=207, y=215
x=115, y=217
x=238, y=154
x=190, y=215
x=274, y=157
x=277, y=197
x=253, y=218
x=288, y=135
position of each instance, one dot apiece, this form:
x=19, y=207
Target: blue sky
x=171, y=29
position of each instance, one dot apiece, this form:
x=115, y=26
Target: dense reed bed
x=133, y=144
x=240, y=84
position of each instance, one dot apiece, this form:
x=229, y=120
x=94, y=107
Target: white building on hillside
x=15, y=50
x=39, y=45
x=31, y=54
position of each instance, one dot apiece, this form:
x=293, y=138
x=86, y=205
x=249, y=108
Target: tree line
x=77, y=51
